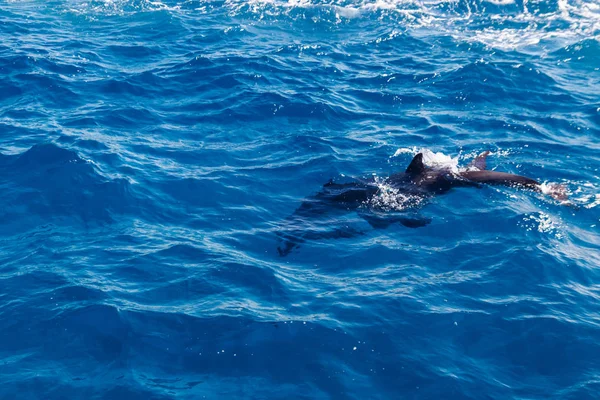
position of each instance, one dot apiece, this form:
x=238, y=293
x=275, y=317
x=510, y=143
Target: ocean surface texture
x=152, y=152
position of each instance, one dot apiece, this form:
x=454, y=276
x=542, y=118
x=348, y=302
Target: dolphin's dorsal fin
x=416, y=166
x=479, y=162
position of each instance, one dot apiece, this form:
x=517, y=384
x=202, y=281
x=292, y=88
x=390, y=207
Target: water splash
x=440, y=160
x=431, y=159
x=393, y=199
x=405, y=150
x=543, y=223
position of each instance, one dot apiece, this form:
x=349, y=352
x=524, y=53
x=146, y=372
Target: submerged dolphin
x=408, y=189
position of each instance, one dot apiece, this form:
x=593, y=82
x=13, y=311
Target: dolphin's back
x=500, y=178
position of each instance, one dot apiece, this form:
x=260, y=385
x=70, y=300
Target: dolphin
x=407, y=190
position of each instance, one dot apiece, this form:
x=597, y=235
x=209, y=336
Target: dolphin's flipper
x=479, y=162
x=415, y=222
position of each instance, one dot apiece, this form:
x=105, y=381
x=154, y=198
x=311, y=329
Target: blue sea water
x=150, y=152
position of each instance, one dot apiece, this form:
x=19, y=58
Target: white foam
x=440, y=160
x=572, y=21
x=501, y=2
x=544, y=223
x=569, y=22
x=347, y=12
x=118, y=7
x=405, y=150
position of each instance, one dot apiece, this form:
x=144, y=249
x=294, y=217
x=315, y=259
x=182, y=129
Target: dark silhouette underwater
x=407, y=190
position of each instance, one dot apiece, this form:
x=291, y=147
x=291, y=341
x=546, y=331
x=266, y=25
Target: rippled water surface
x=151, y=153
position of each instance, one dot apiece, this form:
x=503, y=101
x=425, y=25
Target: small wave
x=586, y=194
x=499, y=24
x=48, y=180
x=118, y=7
x=139, y=248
